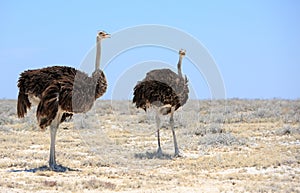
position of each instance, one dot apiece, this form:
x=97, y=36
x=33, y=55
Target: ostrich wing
x=48, y=106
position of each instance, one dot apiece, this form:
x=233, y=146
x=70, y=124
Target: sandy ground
x=226, y=146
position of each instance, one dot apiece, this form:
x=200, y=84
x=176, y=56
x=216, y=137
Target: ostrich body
x=58, y=92
x=166, y=90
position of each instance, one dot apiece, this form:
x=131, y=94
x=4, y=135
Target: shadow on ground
x=153, y=155
x=43, y=168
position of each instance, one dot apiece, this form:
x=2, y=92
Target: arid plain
x=226, y=146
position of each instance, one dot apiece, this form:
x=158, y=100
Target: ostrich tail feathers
x=23, y=104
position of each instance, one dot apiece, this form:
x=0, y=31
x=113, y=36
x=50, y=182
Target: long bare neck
x=179, y=66
x=98, y=54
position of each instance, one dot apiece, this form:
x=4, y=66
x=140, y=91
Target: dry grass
x=227, y=146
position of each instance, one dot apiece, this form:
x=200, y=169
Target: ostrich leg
x=52, y=161
x=157, y=119
x=173, y=132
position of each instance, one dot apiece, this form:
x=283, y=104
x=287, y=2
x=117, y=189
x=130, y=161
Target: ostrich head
x=182, y=52
x=181, y=55
x=102, y=35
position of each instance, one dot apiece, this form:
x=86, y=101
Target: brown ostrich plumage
x=58, y=92
x=166, y=77
x=58, y=86
x=166, y=90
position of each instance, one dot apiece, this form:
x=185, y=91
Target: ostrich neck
x=179, y=66
x=98, y=54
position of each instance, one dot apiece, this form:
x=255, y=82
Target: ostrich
x=58, y=92
x=166, y=90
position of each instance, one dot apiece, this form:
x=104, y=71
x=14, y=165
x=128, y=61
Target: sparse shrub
x=218, y=118
x=220, y=139
x=261, y=113
x=94, y=183
x=288, y=130
x=210, y=129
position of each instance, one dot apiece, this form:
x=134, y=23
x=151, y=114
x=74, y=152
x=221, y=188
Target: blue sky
x=255, y=44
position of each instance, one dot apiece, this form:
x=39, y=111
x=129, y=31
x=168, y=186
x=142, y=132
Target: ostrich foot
x=60, y=168
x=178, y=155
x=159, y=153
